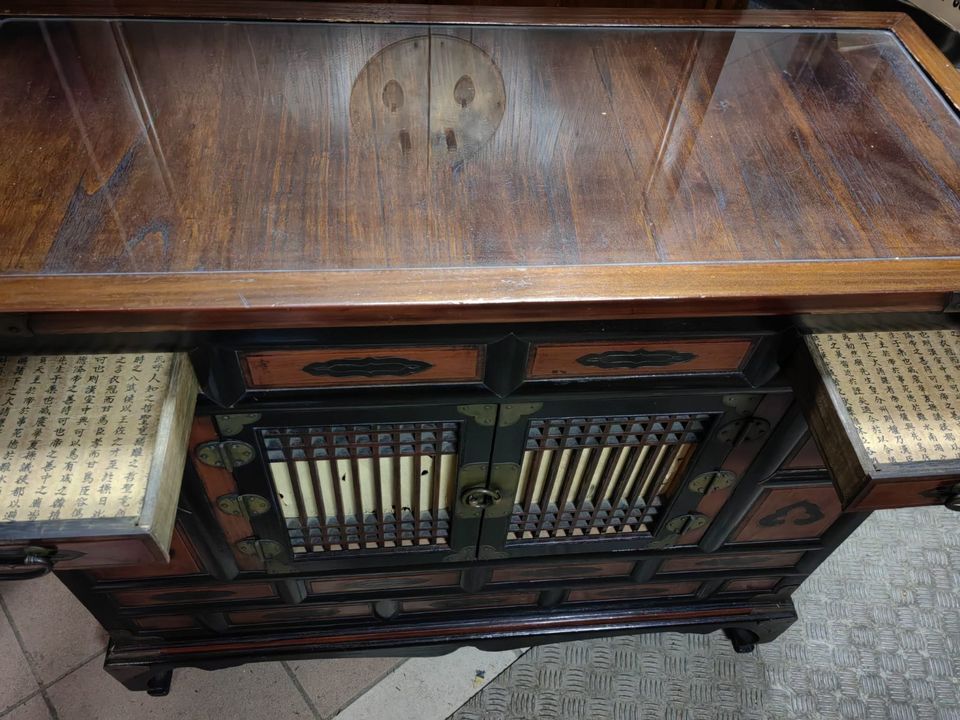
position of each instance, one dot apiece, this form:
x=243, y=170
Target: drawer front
x=491, y=601
x=195, y=594
x=884, y=408
x=326, y=367
x=745, y=561
x=95, y=483
x=634, y=359
x=318, y=613
x=750, y=585
x=183, y=561
x=634, y=592
x=567, y=571
x=377, y=582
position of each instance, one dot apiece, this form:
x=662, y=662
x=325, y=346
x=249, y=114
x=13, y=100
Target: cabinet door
x=357, y=485
x=587, y=476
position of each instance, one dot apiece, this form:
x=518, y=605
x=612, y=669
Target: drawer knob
x=480, y=497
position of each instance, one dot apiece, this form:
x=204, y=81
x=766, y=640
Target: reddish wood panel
x=347, y=366
x=106, y=552
x=880, y=495
x=772, y=408
x=551, y=360
x=165, y=622
x=372, y=583
x=474, y=602
x=742, y=561
x=807, y=457
x=280, y=615
x=217, y=482
x=790, y=513
x=183, y=561
x=626, y=592
x=194, y=594
x=533, y=573
x=750, y=585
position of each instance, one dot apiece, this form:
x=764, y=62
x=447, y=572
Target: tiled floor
x=51, y=656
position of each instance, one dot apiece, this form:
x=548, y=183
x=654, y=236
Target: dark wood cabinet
x=598, y=353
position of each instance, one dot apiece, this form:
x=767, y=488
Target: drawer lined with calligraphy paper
x=92, y=451
x=884, y=409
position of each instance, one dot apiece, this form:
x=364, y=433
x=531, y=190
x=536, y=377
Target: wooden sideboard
x=510, y=325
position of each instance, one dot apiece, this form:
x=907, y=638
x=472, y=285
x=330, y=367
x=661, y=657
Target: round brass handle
x=480, y=497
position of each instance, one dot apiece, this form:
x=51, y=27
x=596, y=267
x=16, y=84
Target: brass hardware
x=639, y=358
x=678, y=527
x=511, y=413
x=683, y=524
x=487, y=552
x=953, y=498
x=488, y=490
x=485, y=415
x=246, y=506
x=480, y=497
x=228, y=454
x=233, y=424
x=743, y=430
x=713, y=480
x=266, y=550
x=25, y=563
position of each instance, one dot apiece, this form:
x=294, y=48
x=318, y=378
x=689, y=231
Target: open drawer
x=92, y=452
x=884, y=409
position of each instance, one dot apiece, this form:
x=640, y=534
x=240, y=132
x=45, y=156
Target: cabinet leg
x=154, y=681
x=746, y=639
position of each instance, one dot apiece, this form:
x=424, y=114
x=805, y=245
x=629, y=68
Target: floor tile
x=332, y=684
x=16, y=680
x=430, y=688
x=257, y=691
x=33, y=709
x=57, y=631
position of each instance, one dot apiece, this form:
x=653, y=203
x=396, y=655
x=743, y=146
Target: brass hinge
x=485, y=415
x=679, y=526
x=233, y=424
x=228, y=454
x=246, y=506
x=512, y=413
x=741, y=430
x=266, y=550
x=713, y=480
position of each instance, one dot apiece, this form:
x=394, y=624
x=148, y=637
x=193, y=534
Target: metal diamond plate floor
x=878, y=637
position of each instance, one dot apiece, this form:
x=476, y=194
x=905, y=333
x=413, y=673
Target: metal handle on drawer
x=480, y=497
x=953, y=499
x=31, y=565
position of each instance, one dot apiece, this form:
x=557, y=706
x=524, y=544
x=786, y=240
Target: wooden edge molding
x=141, y=303
x=928, y=55
x=307, y=11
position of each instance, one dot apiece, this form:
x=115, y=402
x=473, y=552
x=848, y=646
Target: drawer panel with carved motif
x=332, y=367
x=630, y=358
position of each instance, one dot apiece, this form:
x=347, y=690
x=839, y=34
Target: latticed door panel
x=365, y=486
x=601, y=474
x=364, y=482
x=586, y=477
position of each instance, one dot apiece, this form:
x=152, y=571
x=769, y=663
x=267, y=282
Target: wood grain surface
x=634, y=147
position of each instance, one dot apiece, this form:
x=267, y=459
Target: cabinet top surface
x=144, y=147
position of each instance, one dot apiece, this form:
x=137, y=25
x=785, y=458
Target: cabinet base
x=147, y=665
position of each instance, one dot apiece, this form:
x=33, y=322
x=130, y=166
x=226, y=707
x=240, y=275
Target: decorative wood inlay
x=629, y=592
x=165, y=622
x=750, y=585
x=901, y=391
x=600, y=476
x=302, y=613
x=384, y=485
x=790, y=513
x=628, y=359
x=567, y=571
x=379, y=582
x=732, y=562
x=340, y=367
x=194, y=594
x=476, y=602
